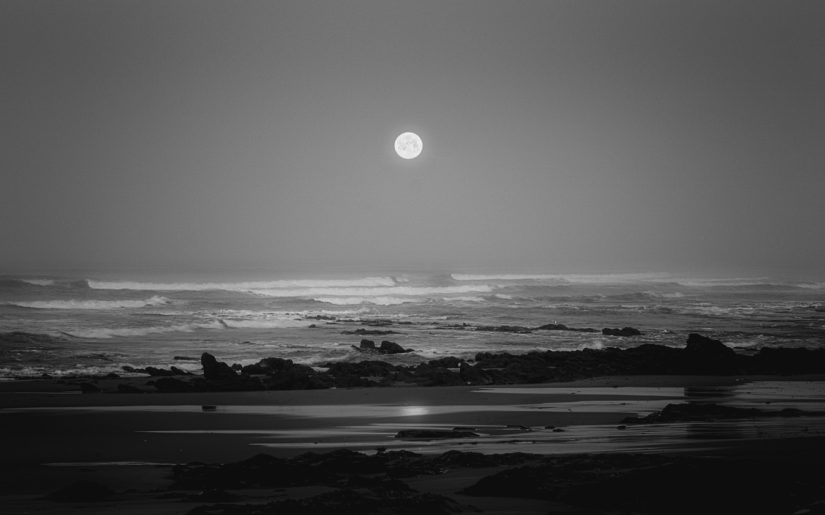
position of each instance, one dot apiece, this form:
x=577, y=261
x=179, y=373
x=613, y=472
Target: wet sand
x=53, y=436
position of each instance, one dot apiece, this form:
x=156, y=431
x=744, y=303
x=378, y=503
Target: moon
x=408, y=145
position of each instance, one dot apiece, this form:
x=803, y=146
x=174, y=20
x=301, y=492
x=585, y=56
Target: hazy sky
x=558, y=135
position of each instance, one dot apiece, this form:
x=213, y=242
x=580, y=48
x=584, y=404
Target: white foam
x=242, y=286
x=567, y=278
x=115, y=332
x=374, y=292
x=93, y=304
x=350, y=301
x=39, y=282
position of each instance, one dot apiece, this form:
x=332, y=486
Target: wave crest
x=157, y=300
x=410, y=291
x=243, y=286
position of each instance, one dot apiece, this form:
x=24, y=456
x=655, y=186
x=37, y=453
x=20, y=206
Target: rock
x=388, y=347
x=214, y=370
x=624, y=331
x=474, y=375
x=562, y=327
x=433, y=434
x=706, y=355
x=82, y=491
x=426, y=375
x=698, y=344
x=369, y=332
x=366, y=345
x=89, y=388
x=128, y=388
x=448, y=362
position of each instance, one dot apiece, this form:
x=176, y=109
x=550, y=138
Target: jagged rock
x=369, y=332
x=214, y=370
x=447, y=362
x=388, y=347
x=706, y=355
x=624, y=331
x=366, y=345
x=89, y=388
x=426, y=375
x=474, y=375
x=562, y=327
x=128, y=388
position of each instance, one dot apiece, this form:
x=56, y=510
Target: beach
x=55, y=435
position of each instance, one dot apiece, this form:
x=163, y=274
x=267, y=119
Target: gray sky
x=558, y=135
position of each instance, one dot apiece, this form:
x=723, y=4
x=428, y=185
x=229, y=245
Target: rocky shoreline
x=701, y=356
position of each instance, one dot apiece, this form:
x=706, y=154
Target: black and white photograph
x=402, y=257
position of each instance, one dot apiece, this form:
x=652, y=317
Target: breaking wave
x=115, y=332
x=354, y=301
x=411, y=291
x=567, y=278
x=92, y=304
x=244, y=286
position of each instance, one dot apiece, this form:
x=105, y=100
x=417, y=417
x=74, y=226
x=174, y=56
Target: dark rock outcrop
x=562, y=327
x=702, y=412
x=474, y=375
x=703, y=354
x=387, y=347
x=624, y=331
x=214, y=370
x=369, y=332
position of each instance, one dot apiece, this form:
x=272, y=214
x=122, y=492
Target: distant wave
x=264, y=323
x=354, y=301
x=243, y=286
x=39, y=282
x=567, y=278
x=92, y=304
x=374, y=292
x=114, y=332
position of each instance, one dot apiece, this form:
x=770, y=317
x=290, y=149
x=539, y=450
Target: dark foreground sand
x=53, y=436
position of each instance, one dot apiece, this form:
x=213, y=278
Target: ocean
x=98, y=325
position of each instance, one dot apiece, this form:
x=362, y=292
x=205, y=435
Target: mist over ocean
x=98, y=325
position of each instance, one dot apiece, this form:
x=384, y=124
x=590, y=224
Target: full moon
x=408, y=145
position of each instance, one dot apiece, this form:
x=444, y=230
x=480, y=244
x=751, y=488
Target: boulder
x=474, y=375
x=388, y=347
x=706, y=355
x=214, y=370
x=624, y=331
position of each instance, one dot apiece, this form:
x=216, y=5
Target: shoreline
x=118, y=440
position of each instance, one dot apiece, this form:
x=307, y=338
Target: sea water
x=96, y=324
